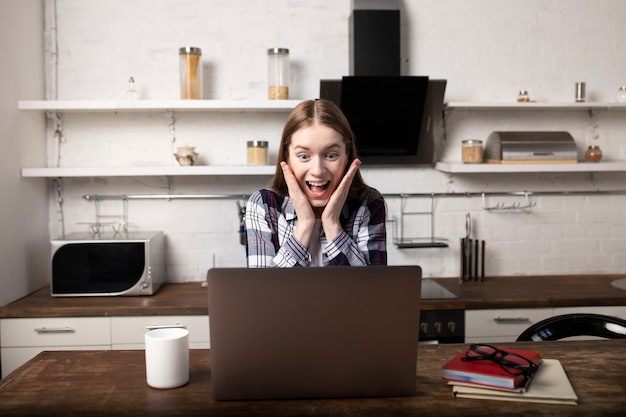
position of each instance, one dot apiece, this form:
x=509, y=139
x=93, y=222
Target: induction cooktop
x=432, y=290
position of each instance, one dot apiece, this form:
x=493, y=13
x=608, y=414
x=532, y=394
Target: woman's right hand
x=304, y=211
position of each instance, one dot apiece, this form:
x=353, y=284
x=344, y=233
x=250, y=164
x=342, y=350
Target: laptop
x=336, y=332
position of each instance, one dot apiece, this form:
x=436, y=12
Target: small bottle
x=621, y=95
x=278, y=73
x=472, y=151
x=131, y=93
x=258, y=153
x=580, y=92
x=593, y=154
x=522, y=97
x=190, y=73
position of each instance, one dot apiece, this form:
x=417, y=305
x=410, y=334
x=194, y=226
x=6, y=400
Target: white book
x=550, y=385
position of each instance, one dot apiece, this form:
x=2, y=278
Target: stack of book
x=486, y=379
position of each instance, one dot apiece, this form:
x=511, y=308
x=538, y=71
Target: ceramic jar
x=186, y=155
x=593, y=154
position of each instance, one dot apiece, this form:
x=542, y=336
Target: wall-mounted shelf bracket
x=402, y=242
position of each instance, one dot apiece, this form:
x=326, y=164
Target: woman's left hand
x=332, y=211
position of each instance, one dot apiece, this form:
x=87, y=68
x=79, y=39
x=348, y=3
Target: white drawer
x=131, y=330
x=65, y=331
x=502, y=324
x=615, y=311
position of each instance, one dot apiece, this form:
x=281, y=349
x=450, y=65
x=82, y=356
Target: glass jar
x=580, y=92
x=593, y=154
x=472, y=151
x=190, y=73
x=132, y=93
x=278, y=73
x=258, y=153
x=621, y=95
x=522, y=97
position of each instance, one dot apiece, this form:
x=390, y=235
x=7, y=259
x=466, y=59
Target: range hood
x=530, y=147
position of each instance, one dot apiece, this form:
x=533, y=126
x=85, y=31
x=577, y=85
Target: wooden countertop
x=99, y=383
x=191, y=298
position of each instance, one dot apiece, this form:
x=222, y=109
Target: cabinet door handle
x=65, y=329
x=166, y=326
x=511, y=319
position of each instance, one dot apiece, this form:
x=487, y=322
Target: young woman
x=317, y=210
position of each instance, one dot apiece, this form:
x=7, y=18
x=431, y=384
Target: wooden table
x=95, y=383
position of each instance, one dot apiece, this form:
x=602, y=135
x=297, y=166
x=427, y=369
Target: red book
x=486, y=372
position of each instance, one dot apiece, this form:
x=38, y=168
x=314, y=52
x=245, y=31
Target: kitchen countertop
x=104, y=383
x=191, y=298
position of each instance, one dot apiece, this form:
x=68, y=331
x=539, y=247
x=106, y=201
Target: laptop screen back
x=313, y=332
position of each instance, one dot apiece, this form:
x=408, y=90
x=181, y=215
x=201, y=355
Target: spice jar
x=278, y=73
x=190, y=73
x=593, y=154
x=522, y=97
x=580, y=92
x=258, y=153
x=621, y=95
x=472, y=151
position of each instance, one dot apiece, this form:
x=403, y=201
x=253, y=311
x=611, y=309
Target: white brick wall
x=486, y=50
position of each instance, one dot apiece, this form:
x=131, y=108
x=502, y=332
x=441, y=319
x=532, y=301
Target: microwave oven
x=107, y=264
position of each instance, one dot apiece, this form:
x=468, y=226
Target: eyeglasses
x=512, y=363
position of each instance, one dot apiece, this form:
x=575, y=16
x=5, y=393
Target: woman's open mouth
x=317, y=187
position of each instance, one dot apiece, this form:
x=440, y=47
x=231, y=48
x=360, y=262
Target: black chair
x=577, y=324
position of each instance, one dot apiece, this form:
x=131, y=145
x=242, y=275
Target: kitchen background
x=487, y=50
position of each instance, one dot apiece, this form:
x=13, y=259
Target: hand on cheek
x=304, y=211
x=330, y=215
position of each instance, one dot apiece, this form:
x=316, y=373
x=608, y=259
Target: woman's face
x=318, y=158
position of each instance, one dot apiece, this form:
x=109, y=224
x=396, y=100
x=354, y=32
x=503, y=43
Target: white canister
x=167, y=357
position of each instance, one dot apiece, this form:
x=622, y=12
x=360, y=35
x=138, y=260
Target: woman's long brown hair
x=307, y=114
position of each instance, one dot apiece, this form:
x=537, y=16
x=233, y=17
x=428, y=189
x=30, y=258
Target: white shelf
x=157, y=105
x=461, y=105
x=234, y=170
x=461, y=168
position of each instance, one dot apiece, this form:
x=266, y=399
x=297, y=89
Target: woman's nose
x=318, y=167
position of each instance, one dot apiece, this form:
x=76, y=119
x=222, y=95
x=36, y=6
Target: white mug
x=167, y=357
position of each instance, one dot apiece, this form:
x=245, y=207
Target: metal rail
x=101, y=197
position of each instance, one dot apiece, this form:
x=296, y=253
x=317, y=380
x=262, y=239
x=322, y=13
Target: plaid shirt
x=270, y=220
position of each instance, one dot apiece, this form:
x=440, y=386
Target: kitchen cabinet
x=589, y=107
x=501, y=325
x=505, y=325
x=23, y=338
x=128, y=332
x=86, y=107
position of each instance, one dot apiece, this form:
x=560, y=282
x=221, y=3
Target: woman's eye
x=332, y=155
x=302, y=156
